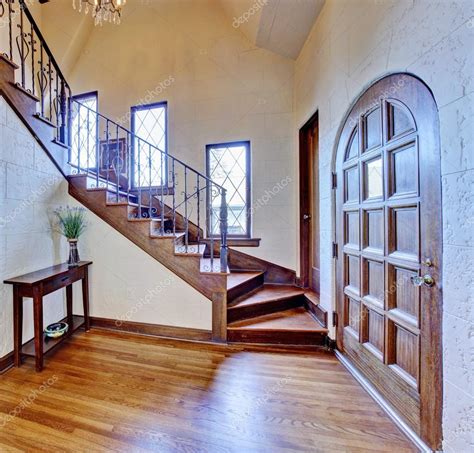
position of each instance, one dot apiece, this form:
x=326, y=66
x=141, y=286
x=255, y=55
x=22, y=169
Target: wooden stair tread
x=295, y=319
x=312, y=296
x=269, y=293
x=238, y=278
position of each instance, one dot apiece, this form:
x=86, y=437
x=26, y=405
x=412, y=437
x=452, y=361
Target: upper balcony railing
x=39, y=74
x=157, y=184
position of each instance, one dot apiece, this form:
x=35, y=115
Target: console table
x=37, y=285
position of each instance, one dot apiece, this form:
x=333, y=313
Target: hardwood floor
x=110, y=391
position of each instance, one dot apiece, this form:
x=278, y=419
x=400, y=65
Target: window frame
x=78, y=98
x=133, y=110
x=248, y=193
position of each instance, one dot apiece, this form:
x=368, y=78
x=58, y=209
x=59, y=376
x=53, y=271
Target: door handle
x=306, y=216
x=426, y=280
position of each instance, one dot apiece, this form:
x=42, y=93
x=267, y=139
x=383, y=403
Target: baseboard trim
x=155, y=330
x=380, y=400
x=6, y=362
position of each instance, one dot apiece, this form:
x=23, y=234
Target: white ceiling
x=281, y=26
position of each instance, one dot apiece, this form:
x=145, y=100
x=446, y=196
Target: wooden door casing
x=388, y=221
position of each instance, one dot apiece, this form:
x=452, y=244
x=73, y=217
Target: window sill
x=239, y=242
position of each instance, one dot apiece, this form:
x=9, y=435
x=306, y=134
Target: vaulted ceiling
x=281, y=26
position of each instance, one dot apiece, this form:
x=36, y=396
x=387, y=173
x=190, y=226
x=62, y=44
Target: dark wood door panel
x=389, y=227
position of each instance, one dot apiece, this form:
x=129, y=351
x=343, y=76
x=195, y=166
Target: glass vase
x=73, y=260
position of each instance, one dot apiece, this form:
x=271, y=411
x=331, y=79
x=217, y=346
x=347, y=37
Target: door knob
x=306, y=216
x=426, y=280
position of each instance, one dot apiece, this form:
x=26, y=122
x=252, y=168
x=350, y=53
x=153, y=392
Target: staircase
x=181, y=221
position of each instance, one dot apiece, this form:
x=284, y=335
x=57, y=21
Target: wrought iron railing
x=39, y=74
x=159, y=186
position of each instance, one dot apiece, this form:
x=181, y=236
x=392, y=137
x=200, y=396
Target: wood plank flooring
x=120, y=392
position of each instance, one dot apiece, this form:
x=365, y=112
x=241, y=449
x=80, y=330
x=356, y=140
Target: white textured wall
x=125, y=282
x=355, y=42
x=224, y=89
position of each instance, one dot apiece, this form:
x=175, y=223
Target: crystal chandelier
x=101, y=10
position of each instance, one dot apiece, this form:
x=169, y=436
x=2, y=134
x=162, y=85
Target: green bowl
x=56, y=330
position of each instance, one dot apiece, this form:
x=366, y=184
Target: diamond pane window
x=149, y=123
x=84, y=131
x=228, y=165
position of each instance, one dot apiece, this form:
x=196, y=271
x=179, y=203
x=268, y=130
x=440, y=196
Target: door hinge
x=335, y=250
x=334, y=180
x=334, y=319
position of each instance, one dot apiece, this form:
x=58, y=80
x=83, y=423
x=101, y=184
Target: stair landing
x=294, y=326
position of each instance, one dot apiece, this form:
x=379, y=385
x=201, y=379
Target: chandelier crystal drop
x=101, y=10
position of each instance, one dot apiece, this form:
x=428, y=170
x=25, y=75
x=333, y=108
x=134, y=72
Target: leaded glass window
x=84, y=131
x=228, y=165
x=149, y=124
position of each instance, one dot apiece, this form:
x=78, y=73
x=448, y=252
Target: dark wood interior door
x=309, y=204
x=389, y=259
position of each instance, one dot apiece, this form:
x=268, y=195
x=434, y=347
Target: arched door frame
x=430, y=392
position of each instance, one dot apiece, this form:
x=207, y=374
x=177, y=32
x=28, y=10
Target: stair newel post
x=162, y=184
x=139, y=178
x=210, y=222
x=223, y=228
x=186, y=220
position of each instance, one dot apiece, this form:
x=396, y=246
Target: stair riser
x=273, y=306
x=276, y=337
x=245, y=288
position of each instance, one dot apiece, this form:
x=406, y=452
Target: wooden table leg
x=38, y=321
x=85, y=298
x=17, y=324
x=69, y=308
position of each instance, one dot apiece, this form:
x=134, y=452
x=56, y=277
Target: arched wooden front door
x=389, y=248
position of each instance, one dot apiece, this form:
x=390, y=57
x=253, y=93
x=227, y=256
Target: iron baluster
x=173, y=176
x=108, y=154
x=10, y=28
x=63, y=111
x=186, y=228
x=41, y=82
x=32, y=46
x=88, y=141
x=21, y=48
x=223, y=227
x=97, y=151
x=116, y=163
x=129, y=165
x=198, y=209
x=78, y=139
x=50, y=79
x=56, y=105
x=149, y=184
